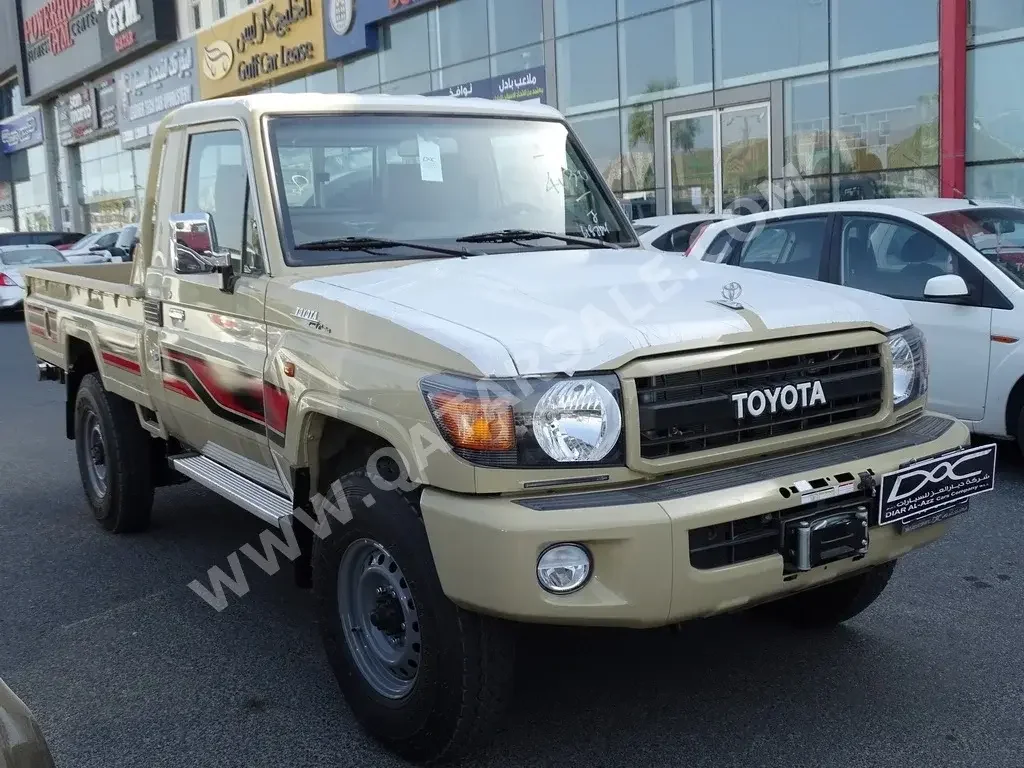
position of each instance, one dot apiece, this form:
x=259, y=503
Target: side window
x=896, y=259
x=107, y=241
x=788, y=247
x=678, y=239
x=216, y=182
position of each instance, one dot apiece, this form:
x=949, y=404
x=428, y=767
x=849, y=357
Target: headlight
x=909, y=365
x=532, y=422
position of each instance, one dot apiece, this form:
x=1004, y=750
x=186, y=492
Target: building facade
x=685, y=105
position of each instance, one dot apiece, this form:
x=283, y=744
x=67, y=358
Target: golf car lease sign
x=923, y=489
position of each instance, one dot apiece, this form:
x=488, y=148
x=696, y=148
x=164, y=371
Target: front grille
x=681, y=413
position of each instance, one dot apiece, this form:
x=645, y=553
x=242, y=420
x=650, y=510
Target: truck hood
x=573, y=310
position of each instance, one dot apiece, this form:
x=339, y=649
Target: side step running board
x=266, y=505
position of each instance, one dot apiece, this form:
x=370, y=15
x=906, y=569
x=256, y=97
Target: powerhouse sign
x=150, y=88
x=278, y=40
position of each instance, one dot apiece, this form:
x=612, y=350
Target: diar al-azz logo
x=342, y=13
x=218, y=57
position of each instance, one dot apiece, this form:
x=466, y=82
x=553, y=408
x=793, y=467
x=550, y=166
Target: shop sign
x=64, y=41
x=87, y=112
x=21, y=131
x=278, y=40
x=152, y=87
x=351, y=25
x=6, y=201
x=526, y=85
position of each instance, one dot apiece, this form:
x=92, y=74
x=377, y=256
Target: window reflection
x=994, y=20
x=807, y=126
x=886, y=117
x=629, y=8
x=638, y=144
x=587, y=76
x=406, y=49
x=665, y=54
x=359, y=74
x=460, y=73
x=1000, y=181
x=516, y=61
x=578, y=15
x=867, y=31
x=409, y=86
x=799, y=40
x=995, y=103
x=458, y=33
x=920, y=182
x=514, y=23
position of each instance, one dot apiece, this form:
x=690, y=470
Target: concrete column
x=51, y=144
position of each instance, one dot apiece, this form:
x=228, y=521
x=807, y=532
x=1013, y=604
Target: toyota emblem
x=731, y=291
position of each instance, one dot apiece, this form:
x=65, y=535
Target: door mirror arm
x=195, y=249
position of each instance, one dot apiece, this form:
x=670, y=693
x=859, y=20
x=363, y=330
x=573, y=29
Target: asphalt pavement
x=125, y=666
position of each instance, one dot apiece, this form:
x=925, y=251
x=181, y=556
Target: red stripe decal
x=37, y=330
x=124, y=363
x=225, y=397
x=174, y=384
x=275, y=401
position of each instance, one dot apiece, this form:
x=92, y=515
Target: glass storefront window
x=406, y=48
x=994, y=20
x=995, y=104
x=638, y=148
x=997, y=181
x=514, y=23
x=469, y=72
x=112, y=183
x=806, y=145
x=798, y=42
x=289, y=86
x=360, y=74
x=32, y=197
x=458, y=33
x=578, y=15
x=920, y=182
x=409, y=86
x=322, y=82
x=601, y=136
x=886, y=117
x=629, y=8
x=868, y=31
x=807, y=190
x=664, y=54
x=515, y=61
x=587, y=72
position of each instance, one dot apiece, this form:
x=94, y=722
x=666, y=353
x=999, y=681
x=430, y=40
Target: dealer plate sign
x=922, y=489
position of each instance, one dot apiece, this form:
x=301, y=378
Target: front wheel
x=426, y=678
x=836, y=602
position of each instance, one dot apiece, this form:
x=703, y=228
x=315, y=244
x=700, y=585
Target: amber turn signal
x=474, y=424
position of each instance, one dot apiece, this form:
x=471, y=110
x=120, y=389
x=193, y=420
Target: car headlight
x=909, y=365
x=529, y=422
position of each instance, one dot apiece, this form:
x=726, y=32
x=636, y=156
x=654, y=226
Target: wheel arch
x=1014, y=404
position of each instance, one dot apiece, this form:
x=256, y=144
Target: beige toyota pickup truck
x=418, y=338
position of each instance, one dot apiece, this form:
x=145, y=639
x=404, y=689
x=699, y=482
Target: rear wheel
x=113, y=458
x=834, y=603
x=424, y=677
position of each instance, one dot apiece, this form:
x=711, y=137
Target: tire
x=122, y=499
x=832, y=604
x=461, y=663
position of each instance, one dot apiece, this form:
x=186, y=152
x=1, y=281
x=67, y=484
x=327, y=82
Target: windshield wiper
x=512, y=235
x=364, y=243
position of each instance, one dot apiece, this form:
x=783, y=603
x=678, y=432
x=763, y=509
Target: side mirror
x=946, y=287
x=195, y=249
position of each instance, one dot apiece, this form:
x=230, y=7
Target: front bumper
x=486, y=548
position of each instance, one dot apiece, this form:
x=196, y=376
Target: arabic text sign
x=21, y=131
x=150, y=88
x=526, y=85
x=922, y=488
x=277, y=39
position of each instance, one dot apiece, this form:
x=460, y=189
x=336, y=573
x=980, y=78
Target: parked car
x=676, y=232
x=60, y=240
x=124, y=246
x=14, y=258
x=22, y=744
x=96, y=248
x=957, y=266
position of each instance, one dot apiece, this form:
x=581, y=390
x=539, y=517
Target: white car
x=94, y=248
x=14, y=258
x=674, y=233
x=957, y=266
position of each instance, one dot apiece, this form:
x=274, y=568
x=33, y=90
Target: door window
x=896, y=259
x=787, y=247
x=217, y=182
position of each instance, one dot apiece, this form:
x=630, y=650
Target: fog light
x=563, y=568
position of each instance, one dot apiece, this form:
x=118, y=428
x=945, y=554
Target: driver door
x=213, y=343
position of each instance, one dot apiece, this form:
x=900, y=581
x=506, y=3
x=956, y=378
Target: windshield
x=25, y=256
x=434, y=179
x=997, y=233
x=86, y=241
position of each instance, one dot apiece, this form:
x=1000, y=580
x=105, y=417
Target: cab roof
x=256, y=105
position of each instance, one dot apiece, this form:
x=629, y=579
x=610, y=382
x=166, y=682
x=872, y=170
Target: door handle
x=176, y=314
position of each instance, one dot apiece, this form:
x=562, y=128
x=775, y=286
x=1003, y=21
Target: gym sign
x=279, y=40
